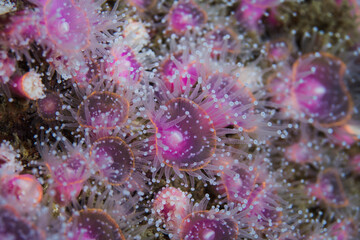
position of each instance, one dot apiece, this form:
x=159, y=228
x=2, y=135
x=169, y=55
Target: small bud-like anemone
x=27, y=86
x=9, y=163
x=21, y=31
x=68, y=177
x=250, y=12
x=177, y=69
x=301, y=152
x=278, y=49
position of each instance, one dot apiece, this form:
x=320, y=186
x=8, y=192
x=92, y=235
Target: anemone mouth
x=114, y=158
x=49, y=106
x=14, y=225
x=67, y=25
x=103, y=110
x=319, y=91
x=95, y=224
x=186, y=138
x=207, y=225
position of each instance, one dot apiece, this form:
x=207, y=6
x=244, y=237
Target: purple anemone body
x=12, y=226
x=67, y=25
x=114, y=158
x=186, y=15
x=318, y=89
x=95, y=224
x=190, y=142
x=208, y=226
x=103, y=110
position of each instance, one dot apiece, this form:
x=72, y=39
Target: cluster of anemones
x=172, y=121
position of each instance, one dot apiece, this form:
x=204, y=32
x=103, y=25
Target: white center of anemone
x=175, y=138
x=320, y=90
x=329, y=188
x=185, y=17
x=208, y=234
x=64, y=27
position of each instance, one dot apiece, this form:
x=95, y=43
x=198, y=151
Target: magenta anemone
x=50, y=106
x=123, y=67
x=318, y=89
x=23, y=190
x=171, y=206
x=13, y=226
x=330, y=189
x=185, y=15
x=208, y=225
x=94, y=224
x=177, y=71
x=187, y=140
x=223, y=39
x=68, y=177
x=114, y=158
x=103, y=110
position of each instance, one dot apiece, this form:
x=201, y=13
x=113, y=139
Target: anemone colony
x=189, y=119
